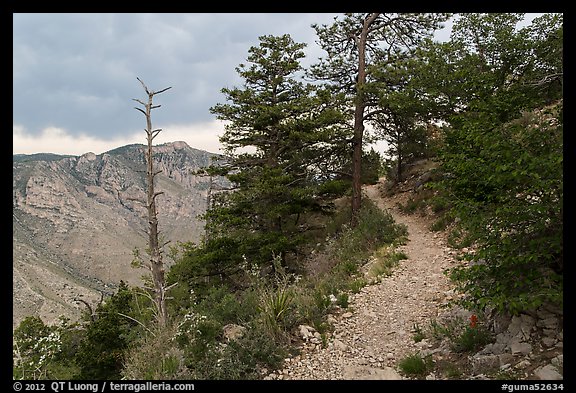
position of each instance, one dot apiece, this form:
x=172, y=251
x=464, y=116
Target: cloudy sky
x=75, y=74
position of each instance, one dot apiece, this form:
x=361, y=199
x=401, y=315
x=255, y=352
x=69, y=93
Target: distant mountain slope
x=76, y=221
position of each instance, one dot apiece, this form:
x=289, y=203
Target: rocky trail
x=378, y=328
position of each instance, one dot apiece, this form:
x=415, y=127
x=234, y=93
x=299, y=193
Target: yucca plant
x=274, y=306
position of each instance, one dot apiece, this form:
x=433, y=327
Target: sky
x=74, y=75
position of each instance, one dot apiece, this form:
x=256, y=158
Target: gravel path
x=377, y=329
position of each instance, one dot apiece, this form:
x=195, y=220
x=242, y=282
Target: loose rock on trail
x=378, y=328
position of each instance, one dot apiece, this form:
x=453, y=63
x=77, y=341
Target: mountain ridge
x=77, y=220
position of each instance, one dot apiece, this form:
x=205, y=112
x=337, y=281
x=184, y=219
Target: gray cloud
x=78, y=71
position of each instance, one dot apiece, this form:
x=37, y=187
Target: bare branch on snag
x=143, y=85
x=155, y=133
x=138, y=109
x=163, y=90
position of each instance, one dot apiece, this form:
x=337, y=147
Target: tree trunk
x=359, y=120
x=399, y=169
x=156, y=263
x=400, y=154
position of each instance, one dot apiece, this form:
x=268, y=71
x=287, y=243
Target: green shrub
x=416, y=366
x=508, y=196
x=418, y=333
x=386, y=260
x=342, y=300
x=155, y=358
x=442, y=222
x=411, y=206
x=35, y=346
x=226, y=307
x=465, y=335
x=439, y=204
x=440, y=331
x=101, y=352
x=243, y=358
x=322, y=301
x=356, y=285
x=472, y=339
x=238, y=359
x=458, y=238
x=375, y=229
x=349, y=267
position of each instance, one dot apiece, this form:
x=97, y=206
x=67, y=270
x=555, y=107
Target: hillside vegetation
x=285, y=245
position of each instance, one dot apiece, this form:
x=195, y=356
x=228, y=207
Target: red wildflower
x=473, y=321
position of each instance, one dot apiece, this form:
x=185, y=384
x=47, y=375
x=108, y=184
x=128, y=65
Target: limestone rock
x=548, y=341
x=370, y=373
x=233, y=332
x=548, y=372
x=485, y=363
x=520, y=348
x=505, y=358
x=339, y=345
x=306, y=331
x=558, y=361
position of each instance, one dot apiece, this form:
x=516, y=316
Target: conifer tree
x=280, y=133
x=353, y=45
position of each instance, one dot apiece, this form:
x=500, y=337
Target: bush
x=439, y=204
x=472, y=339
x=226, y=307
x=35, y=346
x=418, y=333
x=416, y=366
x=442, y=222
x=411, y=206
x=101, y=353
x=503, y=163
x=246, y=357
x=155, y=357
x=356, y=285
x=243, y=358
x=386, y=259
x=375, y=228
x=342, y=300
x=465, y=335
x=518, y=225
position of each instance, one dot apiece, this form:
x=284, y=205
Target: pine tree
x=355, y=43
x=280, y=135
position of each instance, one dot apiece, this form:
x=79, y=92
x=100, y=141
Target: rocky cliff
x=77, y=220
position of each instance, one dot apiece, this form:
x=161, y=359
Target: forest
x=486, y=105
